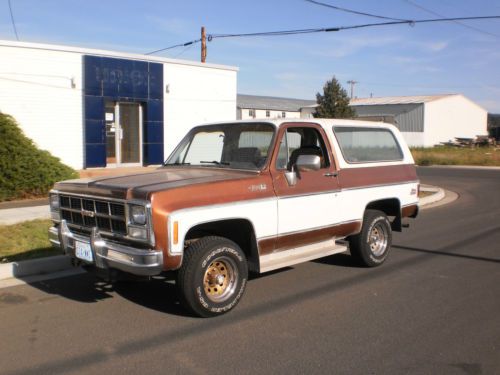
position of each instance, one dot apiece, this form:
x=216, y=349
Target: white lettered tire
x=213, y=276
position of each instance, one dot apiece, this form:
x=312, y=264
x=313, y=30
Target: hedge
x=25, y=170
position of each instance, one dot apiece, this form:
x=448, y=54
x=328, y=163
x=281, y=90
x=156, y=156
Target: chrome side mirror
x=308, y=163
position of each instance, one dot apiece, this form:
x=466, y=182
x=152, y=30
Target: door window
x=301, y=141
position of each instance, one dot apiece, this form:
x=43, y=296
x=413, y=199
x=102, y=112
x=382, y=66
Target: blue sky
x=395, y=60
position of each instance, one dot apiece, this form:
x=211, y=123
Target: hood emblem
x=260, y=187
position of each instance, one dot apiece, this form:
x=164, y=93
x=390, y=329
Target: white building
x=94, y=108
x=426, y=120
x=254, y=106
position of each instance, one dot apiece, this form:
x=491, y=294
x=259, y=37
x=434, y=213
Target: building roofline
x=112, y=54
x=395, y=100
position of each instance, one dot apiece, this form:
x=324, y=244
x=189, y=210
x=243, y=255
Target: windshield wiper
x=177, y=163
x=214, y=162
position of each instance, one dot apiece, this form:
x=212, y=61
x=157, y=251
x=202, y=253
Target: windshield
x=238, y=145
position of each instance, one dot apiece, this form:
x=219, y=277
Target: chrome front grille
x=87, y=213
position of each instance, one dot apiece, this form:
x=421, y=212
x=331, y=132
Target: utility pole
x=352, y=83
x=203, y=45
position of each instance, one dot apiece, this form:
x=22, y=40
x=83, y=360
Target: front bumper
x=106, y=254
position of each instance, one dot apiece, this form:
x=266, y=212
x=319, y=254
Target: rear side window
x=361, y=145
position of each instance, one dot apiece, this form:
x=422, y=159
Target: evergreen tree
x=334, y=103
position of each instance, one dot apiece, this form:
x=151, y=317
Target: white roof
x=398, y=99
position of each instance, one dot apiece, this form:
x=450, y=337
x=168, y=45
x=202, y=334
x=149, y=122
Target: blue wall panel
x=122, y=80
x=95, y=155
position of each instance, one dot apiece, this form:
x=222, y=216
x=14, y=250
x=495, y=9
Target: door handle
x=331, y=174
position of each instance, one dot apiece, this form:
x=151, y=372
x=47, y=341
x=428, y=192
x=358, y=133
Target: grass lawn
x=26, y=240
x=443, y=155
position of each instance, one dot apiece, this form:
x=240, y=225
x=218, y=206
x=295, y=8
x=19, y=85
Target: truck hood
x=141, y=185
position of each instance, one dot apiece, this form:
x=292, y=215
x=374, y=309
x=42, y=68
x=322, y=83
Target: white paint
x=453, y=116
x=195, y=96
x=262, y=214
x=302, y=213
x=36, y=89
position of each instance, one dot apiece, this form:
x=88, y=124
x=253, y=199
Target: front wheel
x=213, y=276
x=371, y=246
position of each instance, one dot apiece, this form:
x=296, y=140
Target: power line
x=457, y=22
x=175, y=46
x=353, y=11
x=12, y=20
x=327, y=29
x=342, y=28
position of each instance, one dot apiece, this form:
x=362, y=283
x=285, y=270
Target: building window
x=268, y=113
x=251, y=113
x=283, y=114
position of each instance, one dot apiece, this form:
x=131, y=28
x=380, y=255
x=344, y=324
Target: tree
x=334, y=103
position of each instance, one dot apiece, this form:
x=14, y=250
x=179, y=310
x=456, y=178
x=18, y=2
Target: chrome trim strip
x=283, y=197
x=381, y=185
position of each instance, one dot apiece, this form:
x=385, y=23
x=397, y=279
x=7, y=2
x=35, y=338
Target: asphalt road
x=432, y=308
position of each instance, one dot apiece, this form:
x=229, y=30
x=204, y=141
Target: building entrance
x=123, y=134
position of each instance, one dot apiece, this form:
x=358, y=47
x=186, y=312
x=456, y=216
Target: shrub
x=25, y=170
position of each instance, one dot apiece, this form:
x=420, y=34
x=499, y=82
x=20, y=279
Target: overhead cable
x=457, y=22
x=12, y=20
x=353, y=11
x=210, y=37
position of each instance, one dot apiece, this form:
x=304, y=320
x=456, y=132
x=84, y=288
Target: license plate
x=83, y=251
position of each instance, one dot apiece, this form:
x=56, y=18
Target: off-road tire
x=372, y=245
x=213, y=276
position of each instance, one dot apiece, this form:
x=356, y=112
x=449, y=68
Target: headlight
x=54, y=202
x=138, y=215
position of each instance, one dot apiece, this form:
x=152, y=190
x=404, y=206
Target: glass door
x=130, y=115
x=123, y=133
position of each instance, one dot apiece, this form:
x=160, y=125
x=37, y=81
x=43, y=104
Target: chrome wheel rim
x=377, y=239
x=220, y=279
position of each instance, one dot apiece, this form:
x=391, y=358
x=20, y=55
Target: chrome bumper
x=108, y=254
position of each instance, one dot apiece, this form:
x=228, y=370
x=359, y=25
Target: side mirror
x=304, y=163
x=308, y=163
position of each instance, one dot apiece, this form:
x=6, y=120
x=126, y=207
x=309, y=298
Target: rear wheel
x=371, y=246
x=213, y=276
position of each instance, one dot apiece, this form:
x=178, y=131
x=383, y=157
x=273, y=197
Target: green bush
x=26, y=171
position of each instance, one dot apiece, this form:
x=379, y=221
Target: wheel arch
x=391, y=207
x=239, y=230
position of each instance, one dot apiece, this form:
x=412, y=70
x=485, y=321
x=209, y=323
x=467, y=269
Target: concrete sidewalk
x=10, y=216
x=29, y=271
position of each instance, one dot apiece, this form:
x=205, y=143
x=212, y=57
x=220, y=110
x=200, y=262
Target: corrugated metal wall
x=406, y=117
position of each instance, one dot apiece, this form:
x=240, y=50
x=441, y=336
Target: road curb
x=34, y=267
x=438, y=194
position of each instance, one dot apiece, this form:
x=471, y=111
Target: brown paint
x=307, y=182
x=373, y=176
x=290, y=241
x=202, y=194
x=409, y=211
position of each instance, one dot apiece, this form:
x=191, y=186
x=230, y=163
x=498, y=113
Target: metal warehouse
x=426, y=120
x=95, y=108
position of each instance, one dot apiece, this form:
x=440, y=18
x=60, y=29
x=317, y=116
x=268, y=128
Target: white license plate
x=83, y=251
